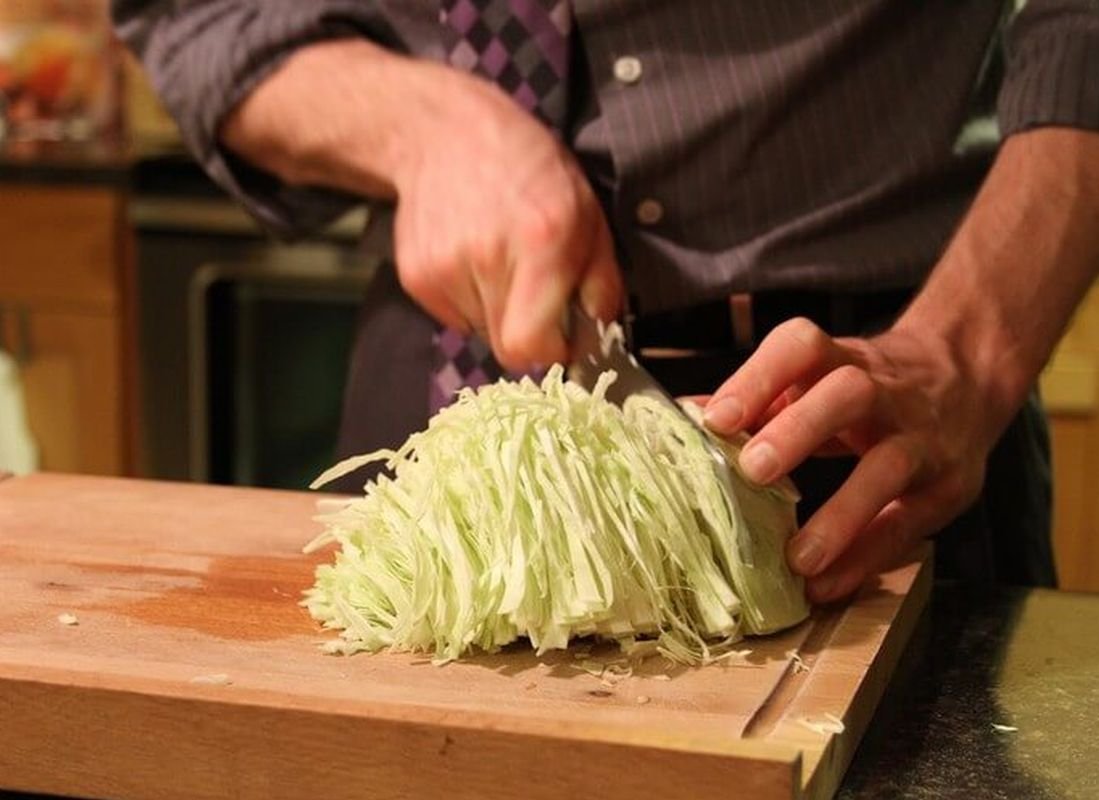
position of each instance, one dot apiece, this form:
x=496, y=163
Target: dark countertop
x=94, y=163
x=140, y=165
x=1027, y=659
x=166, y=188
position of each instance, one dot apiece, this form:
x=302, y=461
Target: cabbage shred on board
x=550, y=513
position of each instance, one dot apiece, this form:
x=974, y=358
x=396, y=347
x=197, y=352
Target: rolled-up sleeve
x=204, y=57
x=1052, y=75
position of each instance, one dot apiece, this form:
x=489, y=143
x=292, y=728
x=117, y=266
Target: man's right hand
x=497, y=227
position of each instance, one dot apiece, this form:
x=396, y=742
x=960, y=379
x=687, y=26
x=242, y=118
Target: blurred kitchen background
x=153, y=327
x=148, y=327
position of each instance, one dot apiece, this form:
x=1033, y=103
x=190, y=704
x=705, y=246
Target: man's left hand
x=922, y=404
x=900, y=402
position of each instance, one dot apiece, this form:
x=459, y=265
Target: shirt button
x=627, y=69
x=649, y=212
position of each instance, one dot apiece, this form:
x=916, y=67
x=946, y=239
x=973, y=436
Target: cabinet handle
x=3, y=330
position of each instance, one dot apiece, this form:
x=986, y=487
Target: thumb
x=601, y=289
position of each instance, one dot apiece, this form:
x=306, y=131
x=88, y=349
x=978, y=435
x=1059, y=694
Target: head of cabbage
x=546, y=512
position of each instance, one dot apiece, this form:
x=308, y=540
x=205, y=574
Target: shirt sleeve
x=204, y=56
x=1052, y=67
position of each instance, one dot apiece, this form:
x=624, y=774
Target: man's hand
x=923, y=403
x=901, y=402
x=496, y=225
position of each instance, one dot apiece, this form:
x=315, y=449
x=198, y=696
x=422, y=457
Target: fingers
x=894, y=529
x=542, y=282
x=840, y=399
x=439, y=281
x=797, y=351
x=454, y=300
x=506, y=267
x=890, y=538
x=565, y=248
x=491, y=277
x=883, y=474
x=791, y=394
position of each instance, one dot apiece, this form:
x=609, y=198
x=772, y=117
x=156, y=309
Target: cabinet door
x=1070, y=389
x=61, y=246
x=71, y=381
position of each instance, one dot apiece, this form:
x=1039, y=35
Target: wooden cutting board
x=191, y=672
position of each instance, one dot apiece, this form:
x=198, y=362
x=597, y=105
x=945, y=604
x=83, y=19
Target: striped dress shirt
x=737, y=146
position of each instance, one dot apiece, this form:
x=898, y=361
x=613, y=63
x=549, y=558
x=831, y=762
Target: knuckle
x=447, y=270
x=802, y=424
x=806, y=334
x=550, y=220
x=897, y=458
x=857, y=384
x=758, y=387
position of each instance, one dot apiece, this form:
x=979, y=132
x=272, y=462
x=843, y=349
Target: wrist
x=1021, y=259
x=446, y=113
x=433, y=105
x=347, y=132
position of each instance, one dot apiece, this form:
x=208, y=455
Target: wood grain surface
x=193, y=673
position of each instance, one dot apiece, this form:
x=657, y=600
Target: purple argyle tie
x=522, y=46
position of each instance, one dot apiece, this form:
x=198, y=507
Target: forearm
x=340, y=114
x=496, y=227
x=1023, y=257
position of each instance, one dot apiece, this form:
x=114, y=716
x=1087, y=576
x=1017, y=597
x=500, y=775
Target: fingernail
x=806, y=555
x=759, y=462
x=594, y=300
x=724, y=414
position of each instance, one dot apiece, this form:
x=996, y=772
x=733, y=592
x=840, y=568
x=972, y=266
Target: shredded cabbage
x=550, y=513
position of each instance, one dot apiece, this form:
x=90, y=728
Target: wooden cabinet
x=1070, y=389
x=65, y=305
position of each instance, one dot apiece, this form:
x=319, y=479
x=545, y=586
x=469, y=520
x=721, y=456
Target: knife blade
x=597, y=347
